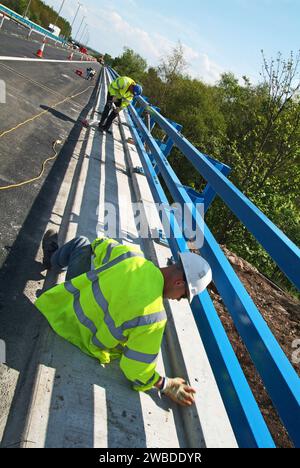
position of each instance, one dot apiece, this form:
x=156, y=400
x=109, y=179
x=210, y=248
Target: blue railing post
x=283, y=251
x=279, y=378
x=208, y=195
x=248, y=424
x=30, y=24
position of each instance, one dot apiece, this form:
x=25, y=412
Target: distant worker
x=90, y=74
x=116, y=311
x=120, y=93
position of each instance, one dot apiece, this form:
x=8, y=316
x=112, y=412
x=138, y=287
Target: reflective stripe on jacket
x=114, y=311
x=119, y=89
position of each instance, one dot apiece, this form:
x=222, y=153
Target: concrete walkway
x=75, y=401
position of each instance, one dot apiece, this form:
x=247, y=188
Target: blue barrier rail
x=278, y=375
x=30, y=24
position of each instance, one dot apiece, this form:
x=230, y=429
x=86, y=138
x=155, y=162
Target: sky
x=217, y=35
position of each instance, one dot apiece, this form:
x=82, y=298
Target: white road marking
x=21, y=59
x=66, y=76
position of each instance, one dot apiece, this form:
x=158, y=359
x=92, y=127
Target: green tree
x=108, y=59
x=174, y=65
x=130, y=64
x=264, y=125
x=253, y=128
x=40, y=13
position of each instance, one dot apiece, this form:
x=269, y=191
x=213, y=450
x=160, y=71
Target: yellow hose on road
x=31, y=119
x=34, y=179
x=6, y=132
x=29, y=181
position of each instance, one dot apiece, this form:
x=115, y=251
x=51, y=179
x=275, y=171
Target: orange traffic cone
x=40, y=52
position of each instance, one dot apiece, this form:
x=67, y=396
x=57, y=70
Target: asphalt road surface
x=31, y=87
x=14, y=42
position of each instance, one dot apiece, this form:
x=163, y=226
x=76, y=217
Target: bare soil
x=282, y=314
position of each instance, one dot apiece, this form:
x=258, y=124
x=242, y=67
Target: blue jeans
x=75, y=255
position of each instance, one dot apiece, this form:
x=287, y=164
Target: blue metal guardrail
x=30, y=24
x=279, y=378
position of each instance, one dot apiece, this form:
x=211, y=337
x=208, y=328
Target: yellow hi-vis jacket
x=119, y=89
x=115, y=311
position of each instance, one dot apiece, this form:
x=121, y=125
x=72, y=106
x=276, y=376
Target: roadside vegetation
x=40, y=13
x=254, y=128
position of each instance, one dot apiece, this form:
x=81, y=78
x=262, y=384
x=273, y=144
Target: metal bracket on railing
x=278, y=376
x=139, y=170
x=208, y=195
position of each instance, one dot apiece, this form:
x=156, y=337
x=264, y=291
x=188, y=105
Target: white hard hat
x=197, y=272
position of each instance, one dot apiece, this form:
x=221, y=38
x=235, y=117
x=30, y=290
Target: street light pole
x=82, y=33
x=27, y=9
x=61, y=7
x=79, y=6
x=86, y=37
x=79, y=27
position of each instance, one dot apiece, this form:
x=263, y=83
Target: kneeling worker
x=121, y=93
x=116, y=311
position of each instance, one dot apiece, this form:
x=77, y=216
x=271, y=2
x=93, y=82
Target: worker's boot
x=49, y=245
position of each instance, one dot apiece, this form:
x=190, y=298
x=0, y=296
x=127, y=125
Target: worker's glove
x=178, y=390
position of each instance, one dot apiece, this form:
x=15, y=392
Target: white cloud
x=118, y=33
x=110, y=32
x=205, y=68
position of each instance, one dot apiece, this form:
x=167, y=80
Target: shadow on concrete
x=58, y=115
x=186, y=420
x=78, y=383
x=91, y=406
x=88, y=217
x=82, y=386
